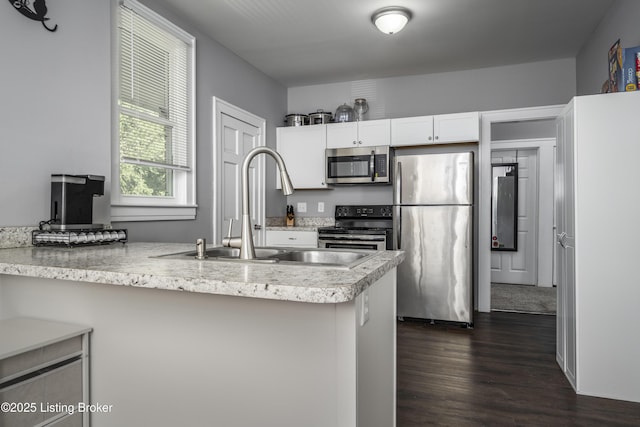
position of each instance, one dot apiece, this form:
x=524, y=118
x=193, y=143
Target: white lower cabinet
x=44, y=374
x=292, y=238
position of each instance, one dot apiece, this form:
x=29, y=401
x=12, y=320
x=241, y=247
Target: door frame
x=483, y=282
x=221, y=107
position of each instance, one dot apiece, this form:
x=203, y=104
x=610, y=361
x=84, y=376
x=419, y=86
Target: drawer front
x=307, y=239
x=74, y=420
x=34, y=358
x=49, y=394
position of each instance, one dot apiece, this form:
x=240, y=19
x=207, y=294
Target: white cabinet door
x=374, y=132
x=366, y=133
x=342, y=135
x=442, y=129
x=412, y=131
x=292, y=238
x=464, y=127
x=303, y=151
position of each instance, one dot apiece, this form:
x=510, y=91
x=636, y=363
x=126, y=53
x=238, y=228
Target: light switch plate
x=302, y=207
x=320, y=206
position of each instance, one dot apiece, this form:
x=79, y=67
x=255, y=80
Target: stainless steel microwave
x=360, y=165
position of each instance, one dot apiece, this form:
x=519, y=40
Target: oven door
x=362, y=165
x=376, y=243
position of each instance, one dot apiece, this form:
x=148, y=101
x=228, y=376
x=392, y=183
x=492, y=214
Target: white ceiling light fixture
x=392, y=19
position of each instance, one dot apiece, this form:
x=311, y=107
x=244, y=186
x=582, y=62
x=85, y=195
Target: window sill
x=125, y=213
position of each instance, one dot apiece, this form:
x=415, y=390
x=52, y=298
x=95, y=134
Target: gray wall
x=621, y=22
x=514, y=86
x=55, y=109
x=523, y=130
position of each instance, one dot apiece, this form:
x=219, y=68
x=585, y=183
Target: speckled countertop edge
x=15, y=237
x=133, y=265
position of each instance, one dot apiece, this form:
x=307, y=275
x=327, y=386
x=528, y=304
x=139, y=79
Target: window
x=153, y=173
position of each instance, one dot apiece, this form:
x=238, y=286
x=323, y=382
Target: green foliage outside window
x=145, y=140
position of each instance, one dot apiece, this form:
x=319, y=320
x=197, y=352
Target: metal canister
x=320, y=117
x=296, y=119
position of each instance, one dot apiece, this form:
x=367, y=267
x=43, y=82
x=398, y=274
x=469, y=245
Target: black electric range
x=359, y=227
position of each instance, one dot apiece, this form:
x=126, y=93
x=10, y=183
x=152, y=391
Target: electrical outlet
x=320, y=206
x=302, y=207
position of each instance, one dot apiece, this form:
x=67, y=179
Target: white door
x=565, y=254
x=520, y=267
x=237, y=138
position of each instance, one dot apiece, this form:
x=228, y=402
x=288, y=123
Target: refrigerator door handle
x=397, y=227
x=397, y=199
x=397, y=184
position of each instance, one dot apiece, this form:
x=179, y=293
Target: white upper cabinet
x=441, y=129
x=365, y=133
x=303, y=151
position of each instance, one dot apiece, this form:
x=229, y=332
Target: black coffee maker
x=72, y=201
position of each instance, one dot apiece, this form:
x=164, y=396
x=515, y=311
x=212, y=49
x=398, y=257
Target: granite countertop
x=301, y=223
x=132, y=265
x=294, y=228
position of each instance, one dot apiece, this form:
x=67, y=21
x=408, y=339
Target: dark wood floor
x=501, y=373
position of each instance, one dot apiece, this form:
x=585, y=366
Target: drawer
x=31, y=359
x=306, y=239
x=74, y=420
x=49, y=393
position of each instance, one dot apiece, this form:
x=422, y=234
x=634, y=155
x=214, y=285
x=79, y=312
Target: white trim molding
x=121, y=213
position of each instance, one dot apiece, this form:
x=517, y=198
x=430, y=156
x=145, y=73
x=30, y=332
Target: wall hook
x=38, y=13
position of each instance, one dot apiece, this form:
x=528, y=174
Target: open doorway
x=522, y=274
x=504, y=130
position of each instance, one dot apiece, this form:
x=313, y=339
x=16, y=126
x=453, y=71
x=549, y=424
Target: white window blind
x=153, y=100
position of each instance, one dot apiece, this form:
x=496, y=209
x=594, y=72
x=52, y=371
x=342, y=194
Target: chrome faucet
x=245, y=241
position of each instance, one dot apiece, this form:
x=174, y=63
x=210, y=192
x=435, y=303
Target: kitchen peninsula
x=188, y=342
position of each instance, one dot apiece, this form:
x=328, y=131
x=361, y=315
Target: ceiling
x=303, y=42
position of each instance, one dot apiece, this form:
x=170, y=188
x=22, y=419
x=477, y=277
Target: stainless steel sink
x=235, y=252
x=322, y=257
x=284, y=256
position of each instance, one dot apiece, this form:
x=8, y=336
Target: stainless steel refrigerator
x=433, y=223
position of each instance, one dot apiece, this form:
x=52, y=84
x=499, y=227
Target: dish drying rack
x=80, y=237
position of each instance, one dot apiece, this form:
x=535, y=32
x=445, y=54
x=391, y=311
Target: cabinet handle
x=354, y=143
x=293, y=238
x=437, y=137
x=430, y=138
